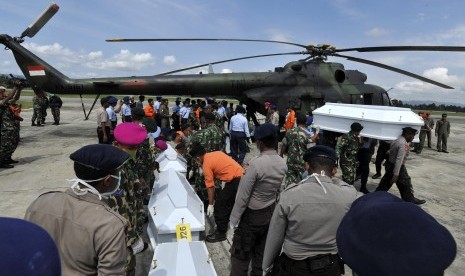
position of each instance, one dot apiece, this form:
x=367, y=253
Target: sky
x=73, y=41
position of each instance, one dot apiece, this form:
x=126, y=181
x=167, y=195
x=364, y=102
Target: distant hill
x=418, y=102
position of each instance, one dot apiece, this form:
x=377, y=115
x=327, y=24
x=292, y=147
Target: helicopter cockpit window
x=340, y=76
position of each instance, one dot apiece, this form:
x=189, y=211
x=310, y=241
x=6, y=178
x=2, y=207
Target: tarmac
x=44, y=165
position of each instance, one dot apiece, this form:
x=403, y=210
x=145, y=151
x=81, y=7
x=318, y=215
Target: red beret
x=161, y=145
x=130, y=134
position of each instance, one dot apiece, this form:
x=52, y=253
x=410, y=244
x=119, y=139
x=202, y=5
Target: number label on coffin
x=183, y=231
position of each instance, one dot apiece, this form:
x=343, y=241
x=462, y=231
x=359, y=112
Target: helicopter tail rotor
x=35, y=27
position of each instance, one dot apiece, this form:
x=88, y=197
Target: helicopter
x=304, y=84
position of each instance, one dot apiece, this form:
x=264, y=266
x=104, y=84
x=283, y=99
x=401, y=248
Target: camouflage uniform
x=193, y=121
x=296, y=141
x=164, y=113
x=124, y=202
x=347, y=150
x=55, y=104
x=45, y=105
x=9, y=132
x=145, y=162
x=37, y=103
x=219, y=122
x=211, y=138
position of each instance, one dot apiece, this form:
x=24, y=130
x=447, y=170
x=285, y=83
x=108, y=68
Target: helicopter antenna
x=35, y=27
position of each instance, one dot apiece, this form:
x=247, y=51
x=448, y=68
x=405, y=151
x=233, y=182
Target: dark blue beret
x=264, y=131
x=112, y=100
x=27, y=249
x=320, y=151
x=100, y=157
x=384, y=235
x=240, y=109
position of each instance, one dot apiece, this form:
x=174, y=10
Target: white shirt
x=111, y=113
x=156, y=106
x=239, y=123
x=126, y=110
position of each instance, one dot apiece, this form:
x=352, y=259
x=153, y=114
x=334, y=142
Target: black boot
x=33, y=124
x=10, y=161
x=363, y=189
x=6, y=166
x=377, y=175
x=217, y=236
x=415, y=200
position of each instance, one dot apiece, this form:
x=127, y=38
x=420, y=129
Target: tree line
x=432, y=106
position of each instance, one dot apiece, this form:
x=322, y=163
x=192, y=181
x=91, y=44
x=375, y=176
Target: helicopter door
x=368, y=99
x=356, y=99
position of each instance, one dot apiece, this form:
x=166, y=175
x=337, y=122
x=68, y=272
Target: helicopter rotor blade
x=397, y=70
x=229, y=60
x=405, y=48
x=35, y=27
x=200, y=39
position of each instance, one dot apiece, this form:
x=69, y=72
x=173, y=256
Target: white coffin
x=173, y=201
x=169, y=159
x=379, y=122
x=181, y=259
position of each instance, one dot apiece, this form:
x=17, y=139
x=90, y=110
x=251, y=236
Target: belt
x=316, y=262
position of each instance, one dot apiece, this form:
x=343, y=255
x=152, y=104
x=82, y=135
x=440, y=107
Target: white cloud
x=377, y=32
x=95, y=55
x=54, y=49
x=418, y=90
x=169, y=60
x=125, y=60
x=226, y=70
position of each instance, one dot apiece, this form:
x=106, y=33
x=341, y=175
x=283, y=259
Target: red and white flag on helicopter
x=36, y=70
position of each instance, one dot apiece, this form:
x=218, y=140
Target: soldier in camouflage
x=37, y=106
x=294, y=144
x=128, y=137
x=145, y=165
x=347, y=150
x=55, y=103
x=9, y=128
x=45, y=105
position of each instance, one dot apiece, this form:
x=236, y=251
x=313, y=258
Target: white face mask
x=75, y=182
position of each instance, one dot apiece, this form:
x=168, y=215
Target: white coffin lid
x=380, y=122
x=175, y=202
x=182, y=258
x=169, y=159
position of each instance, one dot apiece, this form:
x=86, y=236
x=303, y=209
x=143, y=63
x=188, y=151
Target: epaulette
x=51, y=192
x=291, y=186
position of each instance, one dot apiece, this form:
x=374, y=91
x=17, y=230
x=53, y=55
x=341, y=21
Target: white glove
x=210, y=210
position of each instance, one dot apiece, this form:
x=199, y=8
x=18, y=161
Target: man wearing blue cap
x=27, y=249
x=384, y=235
x=396, y=172
x=255, y=202
x=306, y=218
x=90, y=236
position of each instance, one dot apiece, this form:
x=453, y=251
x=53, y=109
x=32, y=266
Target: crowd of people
x=289, y=215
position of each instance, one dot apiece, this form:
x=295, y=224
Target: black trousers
x=249, y=241
x=404, y=182
x=100, y=135
x=381, y=155
x=321, y=265
x=364, y=158
x=224, y=204
x=238, y=146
